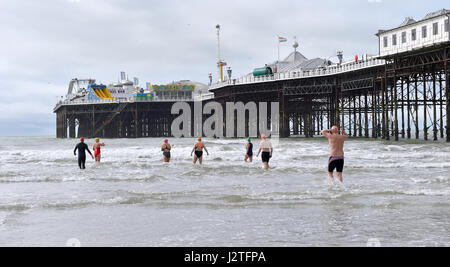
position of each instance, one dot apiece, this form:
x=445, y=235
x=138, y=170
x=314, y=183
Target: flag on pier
x=281, y=39
x=136, y=81
x=149, y=86
x=122, y=76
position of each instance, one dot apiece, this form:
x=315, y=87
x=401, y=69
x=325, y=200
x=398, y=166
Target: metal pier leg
x=71, y=127
x=447, y=98
x=402, y=91
x=394, y=88
x=385, y=109
x=349, y=115
x=337, y=109
x=295, y=124
x=136, y=123
x=416, y=103
x=360, y=116
x=441, y=106
x=435, y=130
x=425, y=123
x=408, y=130
x=366, y=115
x=374, y=112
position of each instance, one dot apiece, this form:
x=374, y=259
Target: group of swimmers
x=335, y=137
x=82, y=148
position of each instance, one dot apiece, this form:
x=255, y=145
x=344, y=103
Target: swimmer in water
x=336, y=160
x=266, y=147
x=165, y=148
x=96, y=148
x=249, y=151
x=198, y=148
x=82, y=147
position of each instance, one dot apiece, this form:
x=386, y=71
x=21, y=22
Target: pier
x=398, y=94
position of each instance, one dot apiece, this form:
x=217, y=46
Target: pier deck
x=404, y=95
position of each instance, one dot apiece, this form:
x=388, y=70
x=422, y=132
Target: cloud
x=374, y=1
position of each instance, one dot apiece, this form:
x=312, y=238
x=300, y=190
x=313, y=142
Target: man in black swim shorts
x=266, y=147
x=336, y=139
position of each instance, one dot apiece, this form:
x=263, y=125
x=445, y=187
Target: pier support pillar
x=447, y=99
x=295, y=124
x=72, y=128
x=284, y=118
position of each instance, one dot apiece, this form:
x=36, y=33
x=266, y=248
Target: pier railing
x=132, y=99
x=300, y=74
x=295, y=74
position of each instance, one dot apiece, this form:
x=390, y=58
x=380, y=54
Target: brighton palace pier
x=401, y=93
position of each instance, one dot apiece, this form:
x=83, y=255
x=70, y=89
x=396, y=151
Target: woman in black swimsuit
x=249, y=148
x=198, y=149
x=165, y=148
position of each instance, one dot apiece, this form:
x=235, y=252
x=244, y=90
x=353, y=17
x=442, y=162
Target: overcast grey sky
x=46, y=43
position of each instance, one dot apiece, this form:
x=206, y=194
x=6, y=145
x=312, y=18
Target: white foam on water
x=384, y=183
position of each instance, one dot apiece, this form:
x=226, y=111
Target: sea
x=393, y=194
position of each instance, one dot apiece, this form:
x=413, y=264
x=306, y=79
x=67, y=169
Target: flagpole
x=278, y=51
x=278, y=41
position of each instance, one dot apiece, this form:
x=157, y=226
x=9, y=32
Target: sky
x=46, y=43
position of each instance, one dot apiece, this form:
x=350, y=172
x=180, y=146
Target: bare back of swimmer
x=336, y=160
x=266, y=147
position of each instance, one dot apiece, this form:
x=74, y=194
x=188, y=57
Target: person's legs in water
x=331, y=177
x=248, y=157
x=339, y=169
x=199, y=156
x=82, y=162
x=265, y=159
x=337, y=164
x=331, y=168
x=166, y=156
x=79, y=162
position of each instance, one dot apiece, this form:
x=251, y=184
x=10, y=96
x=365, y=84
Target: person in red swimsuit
x=96, y=148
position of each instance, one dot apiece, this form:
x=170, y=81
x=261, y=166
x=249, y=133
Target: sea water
x=396, y=193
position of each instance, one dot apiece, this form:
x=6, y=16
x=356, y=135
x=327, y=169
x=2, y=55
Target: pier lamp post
x=219, y=61
x=210, y=78
x=340, y=56
x=229, y=71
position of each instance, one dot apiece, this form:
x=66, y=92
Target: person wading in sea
x=96, y=148
x=266, y=147
x=249, y=151
x=198, y=148
x=336, y=139
x=165, y=148
x=82, y=147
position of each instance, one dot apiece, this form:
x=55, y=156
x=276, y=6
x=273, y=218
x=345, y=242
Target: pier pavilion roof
x=297, y=61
